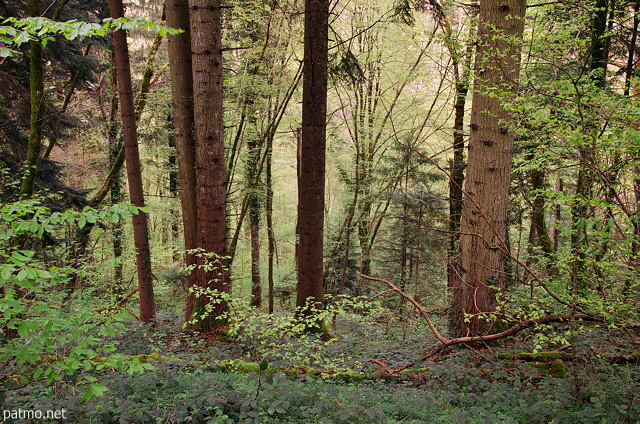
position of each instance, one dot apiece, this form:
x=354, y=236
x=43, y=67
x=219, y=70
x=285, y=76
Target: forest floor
x=264, y=374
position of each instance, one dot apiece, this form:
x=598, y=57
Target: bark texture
x=484, y=214
x=311, y=183
x=181, y=73
x=211, y=194
x=36, y=84
x=134, y=172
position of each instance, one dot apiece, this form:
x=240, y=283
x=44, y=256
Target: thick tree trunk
x=36, y=84
x=134, y=172
x=312, y=159
x=484, y=217
x=211, y=193
x=181, y=72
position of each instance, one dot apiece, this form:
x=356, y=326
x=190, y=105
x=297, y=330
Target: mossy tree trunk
x=37, y=101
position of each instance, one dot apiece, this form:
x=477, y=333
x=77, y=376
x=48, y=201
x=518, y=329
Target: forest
x=329, y=211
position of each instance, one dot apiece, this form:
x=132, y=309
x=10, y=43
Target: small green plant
x=46, y=334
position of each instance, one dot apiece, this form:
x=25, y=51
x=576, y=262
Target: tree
x=134, y=172
x=211, y=180
x=180, y=66
x=36, y=76
x=311, y=182
x=483, y=230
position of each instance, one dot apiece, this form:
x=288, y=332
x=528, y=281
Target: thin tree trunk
x=269, y=217
x=115, y=145
x=631, y=67
x=311, y=189
x=134, y=172
x=456, y=181
x=37, y=101
x=253, y=174
x=73, y=83
x=172, y=164
x=556, y=217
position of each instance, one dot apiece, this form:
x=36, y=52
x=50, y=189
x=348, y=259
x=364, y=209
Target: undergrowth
x=272, y=377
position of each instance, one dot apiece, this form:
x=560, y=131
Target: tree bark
x=269, y=216
x=37, y=101
x=115, y=145
x=312, y=158
x=484, y=214
x=134, y=172
x=181, y=73
x=253, y=175
x=211, y=194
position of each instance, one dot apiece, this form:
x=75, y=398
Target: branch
x=445, y=342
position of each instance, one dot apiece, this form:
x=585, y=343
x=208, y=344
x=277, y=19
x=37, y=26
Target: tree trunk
x=456, y=179
x=253, y=176
x=312, y=158
x=269, y=216
x=211, y=194
x=134, y=173
x=37, y=101
x=181, y=72
x=484, y=214
x=115, y=144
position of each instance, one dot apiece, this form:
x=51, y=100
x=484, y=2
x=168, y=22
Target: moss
x=144, y=358
x=538, y=356
x=301, y=370
x=558, y=368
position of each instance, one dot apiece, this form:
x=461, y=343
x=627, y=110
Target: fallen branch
x=122, y=301
x=445, y=342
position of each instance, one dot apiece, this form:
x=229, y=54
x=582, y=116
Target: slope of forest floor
x=260, y=374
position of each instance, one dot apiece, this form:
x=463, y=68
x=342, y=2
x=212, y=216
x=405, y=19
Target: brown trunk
x=269, y=217
x=211, y=194
x=134, y=173
x=172, y=164
x=456, y=180
x=635, y=247
x=180, y=68
x=115, y=144
x=484, y=217
x=253, y=175
x=312, y=158
x=256, y=287
x=554, y=231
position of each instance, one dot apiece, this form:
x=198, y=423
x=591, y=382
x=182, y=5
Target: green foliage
x=46, y=334
x=15, y=32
